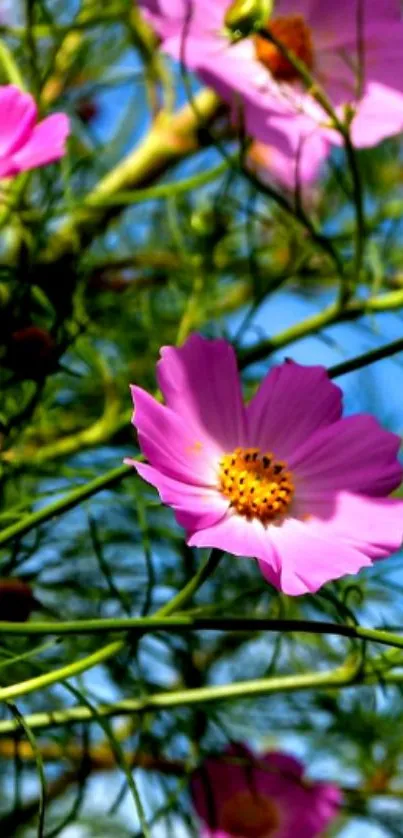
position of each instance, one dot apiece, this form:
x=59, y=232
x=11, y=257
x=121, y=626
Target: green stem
x=161, y=621
x=341, y=677
x=183, y=596
x=360, y=233
x=314, y=323
x=10, y=66
x=164, y=190
x=42, y=681
x=366, y=358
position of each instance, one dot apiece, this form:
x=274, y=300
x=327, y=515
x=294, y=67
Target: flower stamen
x=251, y=814
x=257, y=485
x=296, y=36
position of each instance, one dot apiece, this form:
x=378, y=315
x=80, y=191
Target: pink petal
x=307, y=807
x=383, y=55
x=195, y=507
x=354, y=454
x=335, y=74
x=171, y=445
x=379, y=115
x=290, y=169
x=46, y=143
x=224, y=776
x=311, y=810
x=241, y=537
x=336, y=24
x=18, y=114
x=8, y=168
x=309, y=560
x=201, y=383
x=372, y=525
x=282, y=764
x=291, y=403
x=382, y=93
x=283, y=8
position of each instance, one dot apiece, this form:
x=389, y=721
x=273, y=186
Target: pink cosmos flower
x=24, y=142
x=359, y=64
x=289, y=159
x=283, y=479
x=241, y=795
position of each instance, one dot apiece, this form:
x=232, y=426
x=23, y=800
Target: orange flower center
x=257, y=485
x=249, y=815
x=295, y=35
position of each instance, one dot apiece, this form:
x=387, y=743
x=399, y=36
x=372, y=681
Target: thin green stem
x=314, y=323
x=161, y=621
x=163, y=190
x=181, y=598
x=21, y=721
x=298, y=213
x=360, y=233
x=367, y=358
x=75, y=497
x=48, y=678
x=343, y=676
x=10, y=66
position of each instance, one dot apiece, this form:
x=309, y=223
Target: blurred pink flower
x=24, y=142
x=283, y=479
x=242, y=795
x=192, y=30
x=325, y=35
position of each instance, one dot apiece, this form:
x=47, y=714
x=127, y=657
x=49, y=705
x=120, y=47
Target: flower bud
x=244, y=17
x=87, y=109
x=31, y=352
x=16, y=600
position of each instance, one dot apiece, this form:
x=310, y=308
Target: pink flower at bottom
x=24, y=142
x=284, y=479
x=242, y=795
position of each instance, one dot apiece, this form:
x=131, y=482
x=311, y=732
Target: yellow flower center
x=257, y=485
x=249, y=815
x=296, y=36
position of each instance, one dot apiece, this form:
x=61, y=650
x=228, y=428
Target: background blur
x=105, y=281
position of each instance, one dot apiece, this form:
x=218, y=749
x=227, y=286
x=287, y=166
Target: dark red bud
x=32, y=352
x=16, y=600
x=86, y=109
